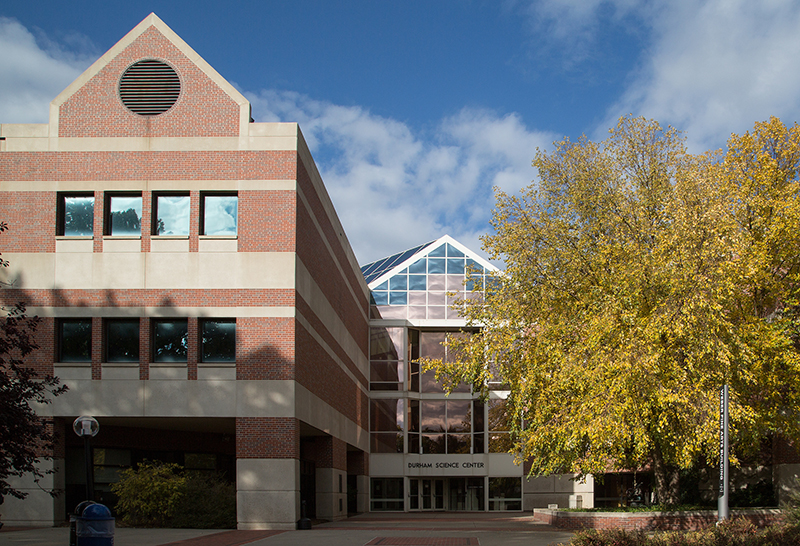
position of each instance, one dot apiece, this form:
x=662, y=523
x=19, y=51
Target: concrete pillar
x=267, y=473
x=358, y=465
x=331, y=478
x=39, y=508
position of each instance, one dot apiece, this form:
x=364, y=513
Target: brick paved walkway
x=226, y=538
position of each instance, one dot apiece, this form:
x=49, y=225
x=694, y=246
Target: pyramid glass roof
x=425, y=282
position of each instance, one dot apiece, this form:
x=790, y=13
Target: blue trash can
x=95, y=526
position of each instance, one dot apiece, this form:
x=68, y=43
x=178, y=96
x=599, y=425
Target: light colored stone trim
x=168, y=393
x=312, y=410
x=146, y=185
x=75, y=267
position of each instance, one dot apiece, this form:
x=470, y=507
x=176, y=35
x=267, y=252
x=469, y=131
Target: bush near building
x=156, y=494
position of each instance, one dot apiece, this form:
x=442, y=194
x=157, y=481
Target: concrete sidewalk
x=431, y=529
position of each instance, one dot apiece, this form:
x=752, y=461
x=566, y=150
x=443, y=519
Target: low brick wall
x=649, y=521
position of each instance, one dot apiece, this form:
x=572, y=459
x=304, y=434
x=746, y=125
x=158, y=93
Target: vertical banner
x=723, y=512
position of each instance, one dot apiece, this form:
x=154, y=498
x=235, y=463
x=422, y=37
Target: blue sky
x=415, y=110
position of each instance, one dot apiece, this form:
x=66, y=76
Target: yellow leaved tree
x=638, y=280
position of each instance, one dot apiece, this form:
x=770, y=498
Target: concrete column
x=358, y=466
x=267, y=493
x=267, y=473
x=331, y=478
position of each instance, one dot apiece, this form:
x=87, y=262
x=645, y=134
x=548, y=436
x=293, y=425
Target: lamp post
x=723, y=512
x=87, y=427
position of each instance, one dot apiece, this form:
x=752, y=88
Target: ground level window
x=505, y=494
x=387, y=494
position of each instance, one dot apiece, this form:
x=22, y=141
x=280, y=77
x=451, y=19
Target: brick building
x=199, y=296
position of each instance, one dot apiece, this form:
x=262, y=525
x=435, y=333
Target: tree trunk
x=667, y=478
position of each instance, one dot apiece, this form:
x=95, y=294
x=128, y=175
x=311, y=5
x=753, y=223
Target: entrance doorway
x=454, y=494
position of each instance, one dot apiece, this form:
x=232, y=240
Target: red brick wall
x=314, y=254
x=144, y=349
x=267, y=438
x=323, y=377
x=203, y=109
x=31, y=220
x=784, y=451
x=305, y=310
x=265, y=348
x=358, y=463
x=685, y=521
x=326, y=452
x=267, y=221
x=223, y=297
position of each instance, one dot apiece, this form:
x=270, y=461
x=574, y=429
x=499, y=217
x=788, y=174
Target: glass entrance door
x=426, y=493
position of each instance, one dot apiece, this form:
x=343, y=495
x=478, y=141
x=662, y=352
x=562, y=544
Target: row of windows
x=169, y=340
x=455, y=494
x=394, y=356
x=123, y=214
x=399, y=425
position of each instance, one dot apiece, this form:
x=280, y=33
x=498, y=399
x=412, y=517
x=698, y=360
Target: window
x=122, y=340
x=386, y=359
x=171, y=214
x=218, y=340
x=75, y=215
x=170, y=340
x=124, y=215
x=219, y=214
x=74, y=340
x=505, y=494
x=445, y=426
x=387, y=494
x=500, y=425
x=430, y=345
x=386, y=418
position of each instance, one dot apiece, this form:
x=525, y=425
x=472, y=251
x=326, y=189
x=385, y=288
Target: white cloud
x=395, y=188
x=709, y=68
x=717, y=67
x=32, y=75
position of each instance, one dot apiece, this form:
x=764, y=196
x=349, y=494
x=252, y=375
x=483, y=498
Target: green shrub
x=148, y=493
x=791, y=508
x=156, y=494
x=759, y=494
x=207, y=502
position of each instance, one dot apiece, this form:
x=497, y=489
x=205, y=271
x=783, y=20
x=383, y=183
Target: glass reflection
x=125, y=215
x=170, y=341
x=78, y=216
x=172, y=215
x=219, y=341
x=220, y=214
x=122, y=341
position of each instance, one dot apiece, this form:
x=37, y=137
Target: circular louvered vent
x=149, y=88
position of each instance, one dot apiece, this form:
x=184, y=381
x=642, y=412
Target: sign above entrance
x=445, y=465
